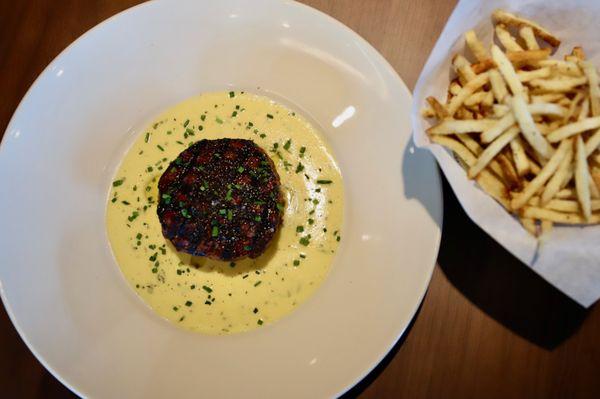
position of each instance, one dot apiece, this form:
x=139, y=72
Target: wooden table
x=488, y=327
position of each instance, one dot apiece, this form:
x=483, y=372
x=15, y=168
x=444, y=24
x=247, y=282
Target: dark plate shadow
x=500, y=285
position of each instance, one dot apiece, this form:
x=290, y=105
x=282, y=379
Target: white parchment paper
x=569, y=257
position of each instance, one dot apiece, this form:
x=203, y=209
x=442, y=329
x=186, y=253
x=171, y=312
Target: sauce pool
x=215, y=297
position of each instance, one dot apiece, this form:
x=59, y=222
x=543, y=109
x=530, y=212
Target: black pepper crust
x=221, y=199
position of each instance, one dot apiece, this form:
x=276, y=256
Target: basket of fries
x=514, y=121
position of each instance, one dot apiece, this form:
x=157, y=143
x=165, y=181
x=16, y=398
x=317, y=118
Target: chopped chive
x=234, y=114
x=189, y=131
x=147, y=138
x=119, y=182
x=257, y=218
x=280, y=207
x=324, y=182
x=133, y=216
x=302, y=151
x=218, y=120
x=311, y=221
x=269, y=116
x=186, y=213
x=229, y=214
x=125, y=203
x=160, y=147
x=255, y=311
x=202, y=117
x=287, y=144
x=303, y=256
x=305, y=241
x=215, y=231
x=231, y=94
x=257, y=283
x=232, y=264
x=139, y=236
x=247, y=247
x=299, y=168
x=296, y=262
x=260, y=322
x=299, y=229
x=207, y=289
x=222, y=211
x=188, y=303
x=167, y=198
x=241, y=169
x=187, y=122
x=228, y=194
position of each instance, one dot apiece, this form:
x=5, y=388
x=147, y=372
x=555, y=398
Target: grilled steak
x=220, y=199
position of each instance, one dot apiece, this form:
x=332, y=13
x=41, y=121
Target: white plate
x=60, y=284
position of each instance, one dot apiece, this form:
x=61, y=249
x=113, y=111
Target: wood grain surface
x=488, y=328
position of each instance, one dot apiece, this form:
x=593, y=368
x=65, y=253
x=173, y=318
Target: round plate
x=60, y=283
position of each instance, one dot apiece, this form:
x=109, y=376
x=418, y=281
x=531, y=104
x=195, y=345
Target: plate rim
x=438, y=218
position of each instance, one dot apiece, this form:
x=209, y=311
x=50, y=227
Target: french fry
x=563, y=174
x=509, y=19
x=592, y=77
x=546, y=173
x=562, y=67
x=545, y=227
x=476, y=46
x=574, y=103
x=454, y=88
x=584, y=110
x=566, y=193
x=463, y=68
x=466, y=91
x=507, y=70
x=438, y=109
x=521, y=160
x=567, y=205
x=526, y=76
x=492, y=150
x=559, y=217
x=526, y=33
x=427, y=112
x=511, y=178
x=558, y=85
x=528, y=128
x=578, y=53
x=498, y=86
x=499, y=110
x=529, y=225
x=486, y=180
x=476, y=98
x=547, y=98
x=509, y=119
x=574, y=128
x=453, y=126
x=527, y=57
x=506, y=39
x=582, y=179
x=592, y=143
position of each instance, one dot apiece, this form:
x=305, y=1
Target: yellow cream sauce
x=216, y=297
